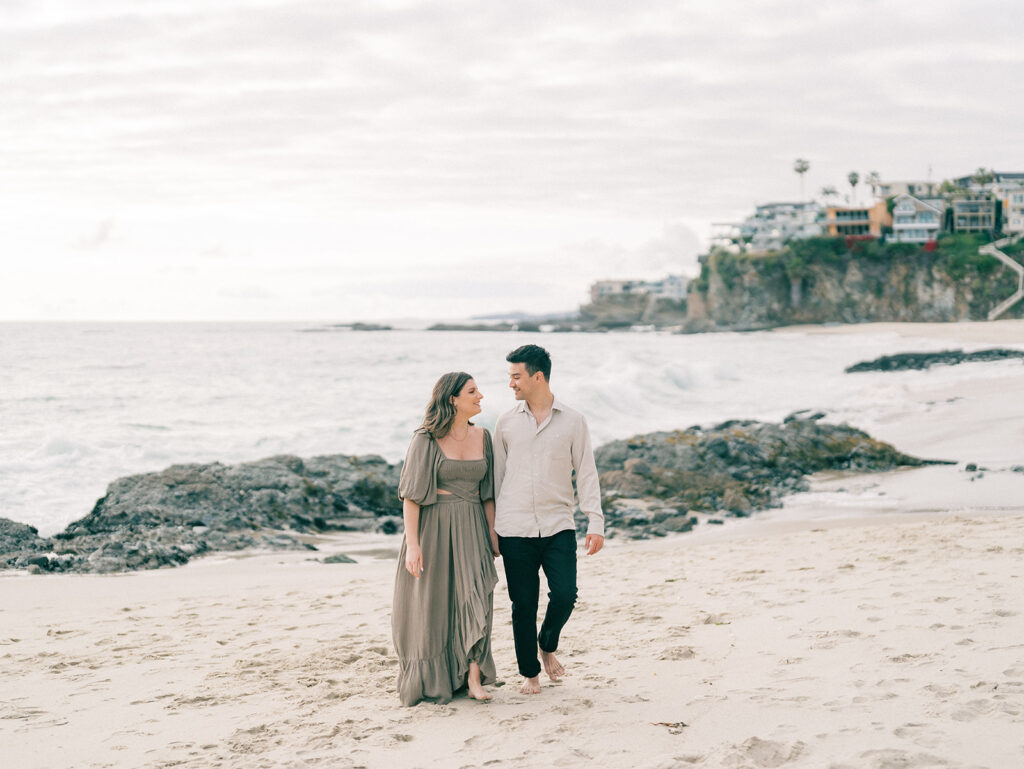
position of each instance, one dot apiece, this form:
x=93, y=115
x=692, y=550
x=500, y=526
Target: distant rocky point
x=923, y=360
x=504, y=326
x=652, y=484
x=357, y=326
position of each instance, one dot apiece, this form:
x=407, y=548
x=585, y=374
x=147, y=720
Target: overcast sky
x=335, y=160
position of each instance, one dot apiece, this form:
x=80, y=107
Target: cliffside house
x=998, y=177
x=974, y=210
x=917, y=189
x=1013, y=211
x=770, y=227
x=670, y=287
x=917, y=220
x=1010, y=192
x=844, y=221
x=603, y=289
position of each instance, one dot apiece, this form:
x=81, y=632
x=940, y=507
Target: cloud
x=583, y=105
x=101, y=236
x=674, y=251
x=249, y=121
x=248, y=293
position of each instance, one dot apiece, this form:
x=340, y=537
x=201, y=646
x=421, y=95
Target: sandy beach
x=875, y=622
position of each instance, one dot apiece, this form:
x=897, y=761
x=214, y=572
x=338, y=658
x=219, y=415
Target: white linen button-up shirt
x=533, y=471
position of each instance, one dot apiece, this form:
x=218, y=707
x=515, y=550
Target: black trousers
x=524, y=558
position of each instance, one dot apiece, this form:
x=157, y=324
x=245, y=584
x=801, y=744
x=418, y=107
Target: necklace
x=459, y=440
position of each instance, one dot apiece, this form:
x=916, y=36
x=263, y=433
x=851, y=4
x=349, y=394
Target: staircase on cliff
x=992, y=249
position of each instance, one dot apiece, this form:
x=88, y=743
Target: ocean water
x=84, y=403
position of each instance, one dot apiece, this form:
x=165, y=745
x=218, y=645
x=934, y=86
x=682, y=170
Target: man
x=538, y=447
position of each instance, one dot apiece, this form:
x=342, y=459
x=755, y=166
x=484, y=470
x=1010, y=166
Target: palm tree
x=982, y=176
x=853, y=177
x=874, y=181
x=801, y=167
x=827, y=193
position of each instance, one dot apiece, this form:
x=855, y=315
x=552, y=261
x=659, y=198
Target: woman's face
x=467, y=402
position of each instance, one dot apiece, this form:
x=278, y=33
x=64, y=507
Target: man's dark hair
x=535, y=358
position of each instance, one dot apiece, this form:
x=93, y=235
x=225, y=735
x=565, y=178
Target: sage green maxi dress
x=442, y=621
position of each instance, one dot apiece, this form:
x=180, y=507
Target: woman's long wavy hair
x=440, y=411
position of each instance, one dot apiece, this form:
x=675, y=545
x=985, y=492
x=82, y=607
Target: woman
x=441, y=620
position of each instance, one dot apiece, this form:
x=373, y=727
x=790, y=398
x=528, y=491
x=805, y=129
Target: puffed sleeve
x=487, y=483
x=418, y=482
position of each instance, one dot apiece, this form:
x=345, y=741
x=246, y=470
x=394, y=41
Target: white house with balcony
x=770, y=227
x=670, y=287
x=922, y=190
x=1010, y=192
x=916, y=220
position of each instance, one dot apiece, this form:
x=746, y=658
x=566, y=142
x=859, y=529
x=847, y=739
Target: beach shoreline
x=860, y=642
x=873, y=621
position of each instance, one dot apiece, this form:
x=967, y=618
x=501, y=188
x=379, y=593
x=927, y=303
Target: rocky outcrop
x=832, y=280
x=652, y=484
x=21, y=545
x=906, y=361
x=659, y=482
x=626, y=310
x=164, y=519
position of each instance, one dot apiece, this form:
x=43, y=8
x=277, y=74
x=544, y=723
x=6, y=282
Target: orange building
x=842, y=221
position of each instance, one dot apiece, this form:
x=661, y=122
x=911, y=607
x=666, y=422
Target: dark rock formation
x=922, y=360
x=339, y=558
x=659, y=480
x=21, y=538
x=653, y=484
x=165, y=518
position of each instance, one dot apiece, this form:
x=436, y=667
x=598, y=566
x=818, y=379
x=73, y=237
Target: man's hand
x=495, y=550
x=594, y=543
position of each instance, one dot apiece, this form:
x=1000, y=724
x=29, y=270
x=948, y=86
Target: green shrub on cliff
x=957, y=254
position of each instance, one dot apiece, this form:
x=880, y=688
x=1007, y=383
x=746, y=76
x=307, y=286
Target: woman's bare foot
x=552, y=666
x=476, y=689
x=530, y=685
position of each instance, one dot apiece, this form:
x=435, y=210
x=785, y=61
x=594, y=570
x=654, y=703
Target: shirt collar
x=556, y=405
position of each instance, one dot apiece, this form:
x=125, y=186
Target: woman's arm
x=489, y=513
x=413, y=554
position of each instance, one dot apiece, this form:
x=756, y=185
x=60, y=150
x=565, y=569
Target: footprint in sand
x=677, y=653
x=716, y=619
x=973, y=709
x=919, y=734
x=766, y=753
x=900, y=759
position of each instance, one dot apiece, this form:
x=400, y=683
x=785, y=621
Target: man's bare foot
x=552, y=666
x=530, y=685
x=476, y=689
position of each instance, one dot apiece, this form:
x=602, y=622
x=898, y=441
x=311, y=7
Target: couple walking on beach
x=467, y=499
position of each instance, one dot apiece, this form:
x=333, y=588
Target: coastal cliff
x=824, y=280
x=832, y=280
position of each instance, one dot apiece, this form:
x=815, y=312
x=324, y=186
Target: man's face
x=520, y=381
